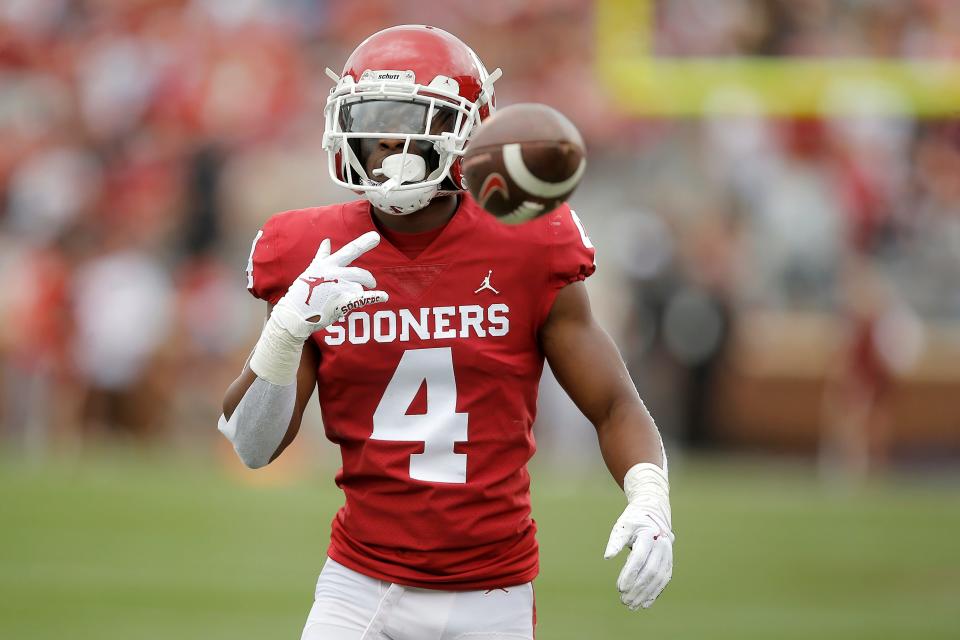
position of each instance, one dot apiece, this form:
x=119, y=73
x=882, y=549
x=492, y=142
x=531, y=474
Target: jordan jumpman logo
x=314, y=283
x=486, y=284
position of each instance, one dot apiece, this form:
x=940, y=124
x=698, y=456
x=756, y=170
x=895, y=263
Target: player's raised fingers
x=358, y=275
x=323, y=251
x=356, y=248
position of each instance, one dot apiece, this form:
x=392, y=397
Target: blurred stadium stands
x=792, y=280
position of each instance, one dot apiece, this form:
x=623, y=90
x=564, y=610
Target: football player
x=423, y=323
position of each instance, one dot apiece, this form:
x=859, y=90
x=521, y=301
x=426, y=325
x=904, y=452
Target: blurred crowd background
x=781, y=285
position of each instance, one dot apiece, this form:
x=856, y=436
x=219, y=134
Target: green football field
x=136, y=547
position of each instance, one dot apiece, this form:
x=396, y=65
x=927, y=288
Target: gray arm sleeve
x=260, y=421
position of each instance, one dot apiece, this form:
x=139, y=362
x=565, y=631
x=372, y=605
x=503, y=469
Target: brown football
x=523, y=162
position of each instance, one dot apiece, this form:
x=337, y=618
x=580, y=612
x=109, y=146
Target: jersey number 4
x=439, y=428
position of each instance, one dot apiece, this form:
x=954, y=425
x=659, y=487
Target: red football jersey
x=432, y=395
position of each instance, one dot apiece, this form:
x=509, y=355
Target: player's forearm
x=260, y=418
x=262, y=407
x=278, y=357
x=628, y=436
x=589, y=367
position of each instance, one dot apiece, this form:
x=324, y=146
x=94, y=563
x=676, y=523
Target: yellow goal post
x=643, y=84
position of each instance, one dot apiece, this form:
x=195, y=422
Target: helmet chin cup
x=399, y=203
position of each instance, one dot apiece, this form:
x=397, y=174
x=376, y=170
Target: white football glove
x=326, y=291
x=645, y=527
x=329, y=288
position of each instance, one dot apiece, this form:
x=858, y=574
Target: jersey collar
x=359, y=218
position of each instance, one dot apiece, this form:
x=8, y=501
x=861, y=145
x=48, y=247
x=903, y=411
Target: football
x=523, y=162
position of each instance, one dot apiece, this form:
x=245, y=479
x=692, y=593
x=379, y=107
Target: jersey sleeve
x=571, y=254
x=267, y=272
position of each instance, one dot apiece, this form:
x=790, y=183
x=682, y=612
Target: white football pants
x=351, y=606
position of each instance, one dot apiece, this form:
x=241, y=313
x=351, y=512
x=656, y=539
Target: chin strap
x=401, y=203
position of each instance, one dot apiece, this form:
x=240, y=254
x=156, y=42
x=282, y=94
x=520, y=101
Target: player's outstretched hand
x=644, y=526
x=329, y=288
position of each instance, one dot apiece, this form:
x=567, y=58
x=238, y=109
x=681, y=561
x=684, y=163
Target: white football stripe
x=513, y=161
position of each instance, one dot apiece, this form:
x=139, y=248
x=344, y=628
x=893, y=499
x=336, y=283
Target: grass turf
x=158, y=547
